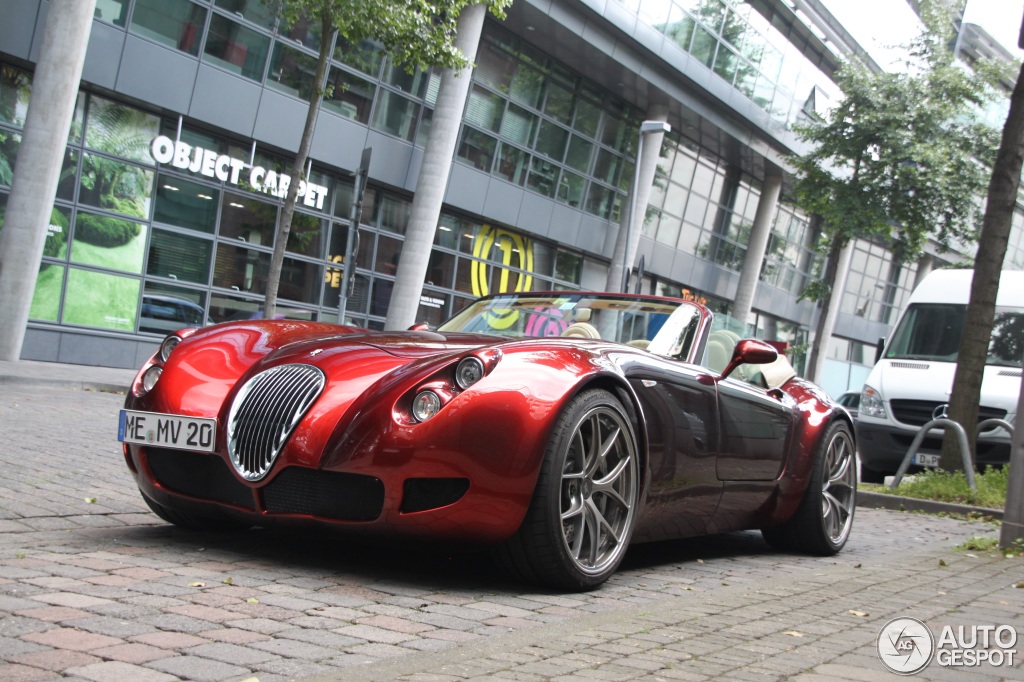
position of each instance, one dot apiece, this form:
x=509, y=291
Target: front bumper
x=882, y=447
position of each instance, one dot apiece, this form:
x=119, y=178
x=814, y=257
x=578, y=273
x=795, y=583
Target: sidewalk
x=93, y=586
x=78, y=377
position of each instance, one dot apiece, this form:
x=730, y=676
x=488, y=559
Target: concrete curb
x=73, y=384
x=897, y=503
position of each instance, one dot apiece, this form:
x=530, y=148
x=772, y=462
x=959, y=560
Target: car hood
x=208, y=368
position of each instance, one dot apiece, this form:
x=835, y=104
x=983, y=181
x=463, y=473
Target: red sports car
x=555, y=427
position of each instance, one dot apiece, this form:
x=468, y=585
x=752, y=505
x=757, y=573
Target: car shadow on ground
x=405, y=564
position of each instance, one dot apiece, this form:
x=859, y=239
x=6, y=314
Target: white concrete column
x=433, y=177
x=827, y=325
x=43, y=141
x=758, y=245
x=632, y=219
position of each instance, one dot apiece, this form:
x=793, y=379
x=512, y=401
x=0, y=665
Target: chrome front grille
x=265, y=411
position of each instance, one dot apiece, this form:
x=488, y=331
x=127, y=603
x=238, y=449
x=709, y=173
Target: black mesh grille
x=421, y=494
x=203, y=476
x=919, y=412
x=328, y=494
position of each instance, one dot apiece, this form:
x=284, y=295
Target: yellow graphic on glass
x=516, y=252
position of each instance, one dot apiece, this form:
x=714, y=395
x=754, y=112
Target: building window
x=186, y=204
x=179, y=257
x=396, y=115
x=175, y=23
x=236, y=48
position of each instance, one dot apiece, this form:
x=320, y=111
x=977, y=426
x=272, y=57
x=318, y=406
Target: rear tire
x=193, y=521
x=822, y=522
x=584, y=507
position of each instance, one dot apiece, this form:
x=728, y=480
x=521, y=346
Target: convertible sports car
x=555, y=427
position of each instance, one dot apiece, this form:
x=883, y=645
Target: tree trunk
x=837, y=266
x=298, y=173
x=433, y=177
x=988, y=265
x=44, y=140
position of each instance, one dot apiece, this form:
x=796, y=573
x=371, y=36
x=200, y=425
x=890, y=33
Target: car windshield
x=663, y=326
x=932, y=331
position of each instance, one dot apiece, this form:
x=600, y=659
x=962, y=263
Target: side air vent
x=265, y=411
x=909, y=365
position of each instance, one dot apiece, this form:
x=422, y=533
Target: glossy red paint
x=489, y=439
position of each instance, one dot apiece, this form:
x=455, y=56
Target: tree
x=988, y=265
x=901, y=159
x=416, y=34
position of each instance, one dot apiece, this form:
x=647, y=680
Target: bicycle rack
x=961, y=437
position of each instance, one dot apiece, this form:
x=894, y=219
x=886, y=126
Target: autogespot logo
x=905, y=646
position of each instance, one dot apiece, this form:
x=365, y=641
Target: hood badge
x=316, y=352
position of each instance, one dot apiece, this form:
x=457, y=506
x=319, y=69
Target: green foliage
x=105, y=231
x=417, y=33
x=978, y=544
x=951, y=486
x=903, y=157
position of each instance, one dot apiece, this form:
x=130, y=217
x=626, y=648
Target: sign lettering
x=209, y=163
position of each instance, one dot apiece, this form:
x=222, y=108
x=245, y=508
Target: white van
x=913, y=378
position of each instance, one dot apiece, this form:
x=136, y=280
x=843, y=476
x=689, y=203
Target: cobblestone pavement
x=94, y=587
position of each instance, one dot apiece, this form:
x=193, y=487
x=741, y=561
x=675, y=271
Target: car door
x=756, y=428
x=680, y=410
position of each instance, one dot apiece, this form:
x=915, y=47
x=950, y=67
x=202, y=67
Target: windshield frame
x=665, y=326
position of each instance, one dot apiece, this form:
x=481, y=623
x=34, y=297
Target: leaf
x=90, y=500
x=942, y=562
x=858, y=565
x=973, y=556
x=700, y=561
x=859, y=614
x=793, y=633
x=197, y=584
x=1020, y=585
x=252, y=600
x=228, y=581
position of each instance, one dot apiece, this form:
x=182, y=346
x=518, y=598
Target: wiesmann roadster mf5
x=554, y=427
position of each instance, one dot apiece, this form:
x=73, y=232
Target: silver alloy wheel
x=838, y=487
x=598, y=490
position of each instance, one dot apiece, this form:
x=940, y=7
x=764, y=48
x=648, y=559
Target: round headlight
x=169, y=344
x=425, y=405
x=469, y=371
x=150, y=378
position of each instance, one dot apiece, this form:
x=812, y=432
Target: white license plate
x=923, y=460
x=167, y=430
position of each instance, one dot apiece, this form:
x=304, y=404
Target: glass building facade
x=541, y=175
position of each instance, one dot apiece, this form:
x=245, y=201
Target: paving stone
x=196, y=668
x=54, y=659
x=70, y=638
x=116, y=671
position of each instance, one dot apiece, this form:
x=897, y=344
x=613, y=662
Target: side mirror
x=419, y=327
x=750, y=352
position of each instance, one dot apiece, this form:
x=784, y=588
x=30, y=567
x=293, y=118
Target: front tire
x=822, y=522
x=584, y=507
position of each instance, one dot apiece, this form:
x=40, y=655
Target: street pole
x=628, y=252
x=355, y=216
x=1012, y=530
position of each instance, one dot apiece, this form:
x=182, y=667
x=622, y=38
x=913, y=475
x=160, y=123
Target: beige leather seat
x=581, y=330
